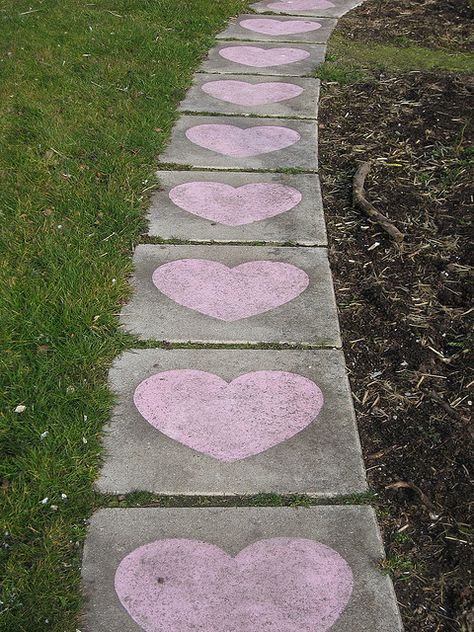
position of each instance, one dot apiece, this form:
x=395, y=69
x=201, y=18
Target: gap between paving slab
x=342, y=581
x=309, y=316
x=253, y=95
x=243, y=143
x=256, y=195
x=278, y=29
x=293, y=447
x=260, y=58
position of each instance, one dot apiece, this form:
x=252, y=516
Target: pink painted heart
x=230, y=294
x=228, y=421
x=235, y=206
x=300, y=5
x=230, y=140
x=279, y=27
x=248, y=94
x=263, y=57
x=274, y=585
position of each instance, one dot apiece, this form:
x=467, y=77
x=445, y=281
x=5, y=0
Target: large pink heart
x=300, y=5
x=267, y=26
x=235, y=206
x=230, y=294
x=263, y=57
x=230, y=140
x=274, y=585
x=228, y=421
x=244, y=93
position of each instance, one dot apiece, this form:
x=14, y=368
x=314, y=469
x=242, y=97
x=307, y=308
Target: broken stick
x=359, y=199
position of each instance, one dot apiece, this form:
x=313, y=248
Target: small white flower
x=63, y=497
x=20, y=408
x=85, y=417
x=114, y=281
x=84, y=440
x=44, y=434
x=45, y=500
x=54, y=507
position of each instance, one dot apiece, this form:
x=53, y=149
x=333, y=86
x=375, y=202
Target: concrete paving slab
x=310, y=8
x=264, y=58
x=232, y=421
x=238, y=207
x=229, y=294
x=271, y=28
x=254, y=95
x=244, y=569
x=223, y=142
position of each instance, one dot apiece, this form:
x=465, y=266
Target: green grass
x=351, y=61
x=88, y=97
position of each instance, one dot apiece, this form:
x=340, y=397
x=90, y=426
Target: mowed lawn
x=88, y=98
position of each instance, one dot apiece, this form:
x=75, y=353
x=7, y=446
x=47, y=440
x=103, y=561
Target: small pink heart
x=228, y=421
x=231, y=140
x=235, y=206
x=300, y=5
x=230, y=294
x=279, y=27
x=263, y=57
x=274, y=585
x=248, y=94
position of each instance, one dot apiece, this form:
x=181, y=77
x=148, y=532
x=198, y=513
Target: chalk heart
x=230, y=294
x=300, y=5
x=274, y=585
x=279, y=27
x=235, y=206
x=230, y=140
x=228, y=421
x=263, y=57
x=251, y=94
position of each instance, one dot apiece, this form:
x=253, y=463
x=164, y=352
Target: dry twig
x=434, y=515
x=359, y=199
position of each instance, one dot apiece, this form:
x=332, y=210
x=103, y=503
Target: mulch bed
x=406, y=317
x=430, y=23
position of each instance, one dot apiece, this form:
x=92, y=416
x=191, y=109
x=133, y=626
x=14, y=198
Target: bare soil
x=430, y=23
x=406, y=313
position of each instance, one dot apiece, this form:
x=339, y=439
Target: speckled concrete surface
x=302, y=570
x=264, y=58
x=302, y=314
x=224, y=142
x=321, y=458
x=238, y=207
x=253, y=95
x=272, y=28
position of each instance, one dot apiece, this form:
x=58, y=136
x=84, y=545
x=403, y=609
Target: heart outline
x=306, y=27
x=237, y=142
x=181, y=585
x=218, y=201
x=257, y=57
x=300, y=5
x=221, y=419
x=247, y=93
x=219, y=291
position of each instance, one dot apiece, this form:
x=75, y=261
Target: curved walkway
x=253, y=396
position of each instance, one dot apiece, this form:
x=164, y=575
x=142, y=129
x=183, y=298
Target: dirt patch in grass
x=433, y=23
x=406, y=316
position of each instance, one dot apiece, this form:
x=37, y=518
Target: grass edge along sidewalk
x=89, y=94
